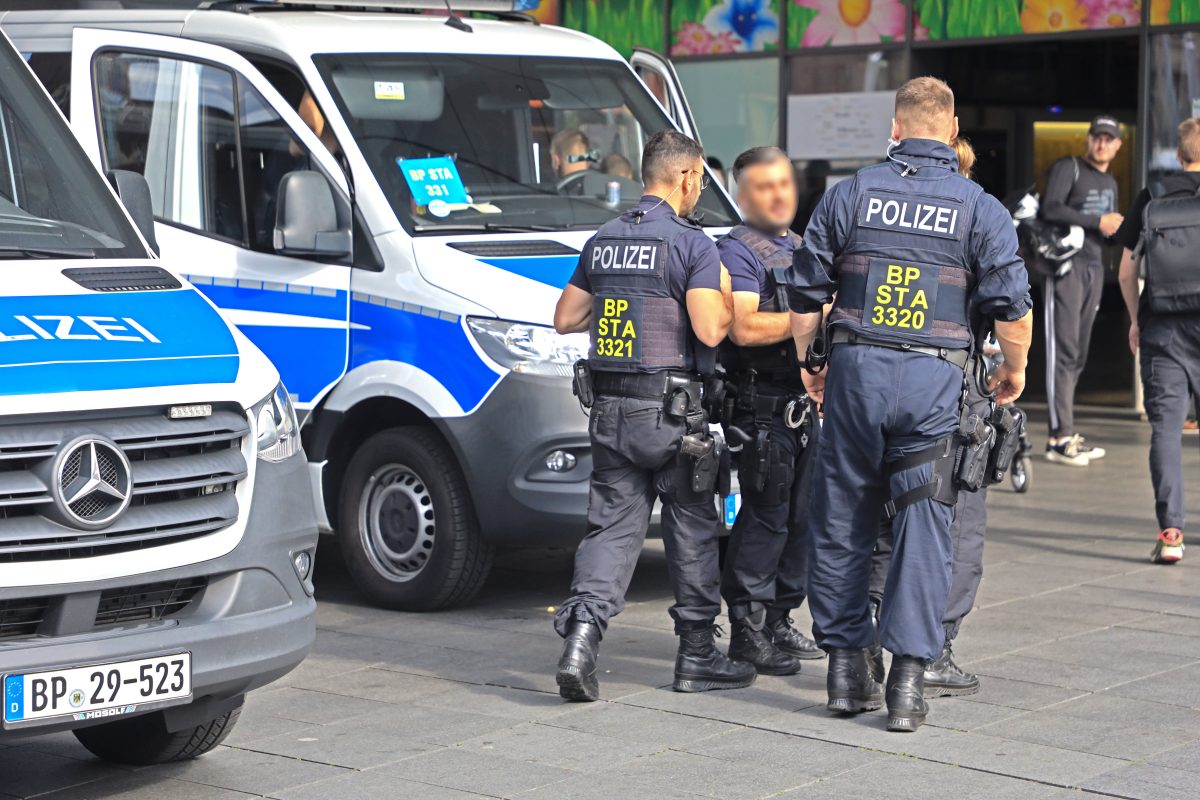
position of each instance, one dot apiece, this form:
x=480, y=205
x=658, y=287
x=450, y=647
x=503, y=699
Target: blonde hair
x=1189, y=140
x=925, y=105
x=966, y=157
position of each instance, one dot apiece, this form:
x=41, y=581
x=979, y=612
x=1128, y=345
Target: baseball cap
x=1105, y=124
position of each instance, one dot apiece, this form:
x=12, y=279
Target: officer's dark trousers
x=635, y=447
x=766, y=563
x=1071, y=305
x=881, y=404
x=1170, y=358
x=967, y=535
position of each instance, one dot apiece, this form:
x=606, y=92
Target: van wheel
x=406, y=525
x=145, y=740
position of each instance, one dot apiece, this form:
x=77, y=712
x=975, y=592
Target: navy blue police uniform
x=913, y=252
x=766, y=562
x=638, y=268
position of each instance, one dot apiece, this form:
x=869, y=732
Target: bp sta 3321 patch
x=617, y=329
x=900, y=297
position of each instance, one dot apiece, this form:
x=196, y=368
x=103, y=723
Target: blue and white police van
x=156, y=523
x=463, y=167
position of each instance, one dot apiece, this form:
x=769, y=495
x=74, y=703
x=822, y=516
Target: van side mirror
x=134, y=194
x=306, y=218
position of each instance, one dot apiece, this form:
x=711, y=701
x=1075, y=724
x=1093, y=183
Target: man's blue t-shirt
x=746, y=272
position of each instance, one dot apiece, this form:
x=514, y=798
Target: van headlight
x=277, y=425
x=531, y=349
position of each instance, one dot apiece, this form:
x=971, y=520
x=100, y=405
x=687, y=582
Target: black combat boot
x=875, y=651
x=849, y=684
x=577, y=668
x=701, y=667
x=944, y=678
x=751, y=641
x=906, y=694
x=792, y=641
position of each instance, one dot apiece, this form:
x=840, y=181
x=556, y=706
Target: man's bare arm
x=711, y=311
x=752, y=327
x=1128, y=278
x=804, y=330
x=573, y=314
x=1014, y=338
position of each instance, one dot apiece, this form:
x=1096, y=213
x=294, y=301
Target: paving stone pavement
x=1090, y=658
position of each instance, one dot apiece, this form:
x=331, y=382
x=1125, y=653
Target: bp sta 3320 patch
x=900, y=297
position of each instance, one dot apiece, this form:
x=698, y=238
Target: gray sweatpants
x=1170, y=377
x=1071, y=305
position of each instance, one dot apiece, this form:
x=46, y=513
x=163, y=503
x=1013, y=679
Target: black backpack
x=1170, y=252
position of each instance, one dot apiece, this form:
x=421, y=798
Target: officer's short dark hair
x=667, y=155
x=757, y=156
x=925, y=105
x=1189, y=140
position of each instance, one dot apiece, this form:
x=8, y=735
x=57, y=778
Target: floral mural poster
x=821, y=23
x=709, y=27
x=972, y=19
x=624, y=24
x=1174, y=12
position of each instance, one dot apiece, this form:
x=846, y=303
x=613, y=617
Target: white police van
x=466, y=164
x=156, y=529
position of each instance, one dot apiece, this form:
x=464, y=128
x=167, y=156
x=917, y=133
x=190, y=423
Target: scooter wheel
x=1022, y=473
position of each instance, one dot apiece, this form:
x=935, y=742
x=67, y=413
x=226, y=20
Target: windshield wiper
x=486, y=227
x=45, y=252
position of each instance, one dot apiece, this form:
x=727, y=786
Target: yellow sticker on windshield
x=389, y=90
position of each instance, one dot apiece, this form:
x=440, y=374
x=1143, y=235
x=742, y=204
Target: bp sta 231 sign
x=433, y=180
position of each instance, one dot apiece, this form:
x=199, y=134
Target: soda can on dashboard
x=612, y=193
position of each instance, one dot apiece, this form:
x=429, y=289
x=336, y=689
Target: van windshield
x=501, y=142
x=52, y=201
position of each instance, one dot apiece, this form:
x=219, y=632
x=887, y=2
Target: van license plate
x=99, y=691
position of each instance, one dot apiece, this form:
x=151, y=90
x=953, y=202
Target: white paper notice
x=833, y=126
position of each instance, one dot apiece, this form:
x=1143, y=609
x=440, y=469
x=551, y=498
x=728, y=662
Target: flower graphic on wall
x=733, y=26
x=1112, y=13
x=853, y=21
x=1053, y=16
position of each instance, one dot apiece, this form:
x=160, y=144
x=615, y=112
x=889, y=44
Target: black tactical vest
x=773, y=363
x=637, y=326
x=905, y=274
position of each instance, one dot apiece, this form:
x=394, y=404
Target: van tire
x=450, y=560
x=144, y=740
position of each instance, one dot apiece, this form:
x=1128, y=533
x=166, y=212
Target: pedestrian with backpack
x=1079, y=192
x=1161, y=237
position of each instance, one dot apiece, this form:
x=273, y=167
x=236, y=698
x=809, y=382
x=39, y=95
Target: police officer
x=912, y=249
x=651, y=290
x=943, y=677
x=766, y=564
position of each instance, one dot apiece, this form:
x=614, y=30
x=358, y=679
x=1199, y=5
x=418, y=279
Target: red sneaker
x=1169, y=547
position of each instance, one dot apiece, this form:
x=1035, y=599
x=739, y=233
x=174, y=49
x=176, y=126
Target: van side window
x=269, y=151
x=174, y=122
x=210, y=145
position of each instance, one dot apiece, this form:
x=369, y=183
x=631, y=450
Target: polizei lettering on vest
x=628, y=256
x=911, y=215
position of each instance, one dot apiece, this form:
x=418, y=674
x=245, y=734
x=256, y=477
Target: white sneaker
x=1091, y=452
x=1066, y=452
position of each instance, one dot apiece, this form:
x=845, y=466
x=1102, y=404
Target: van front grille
x=20, y=618
x=149, y=601
x=183, y=477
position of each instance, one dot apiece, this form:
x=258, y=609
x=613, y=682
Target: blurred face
x=1103, y=148
x=566, y=166
x=767, y=195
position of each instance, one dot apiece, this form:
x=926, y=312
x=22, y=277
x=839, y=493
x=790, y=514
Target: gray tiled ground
x=1090, y=658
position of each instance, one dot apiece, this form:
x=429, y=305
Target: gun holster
x=976, y=437
x=581, y=383
x=701, y=448
x=1007, y=426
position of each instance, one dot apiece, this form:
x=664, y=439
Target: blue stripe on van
x=425, y=339
x=551, y=270
x=126, y=340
